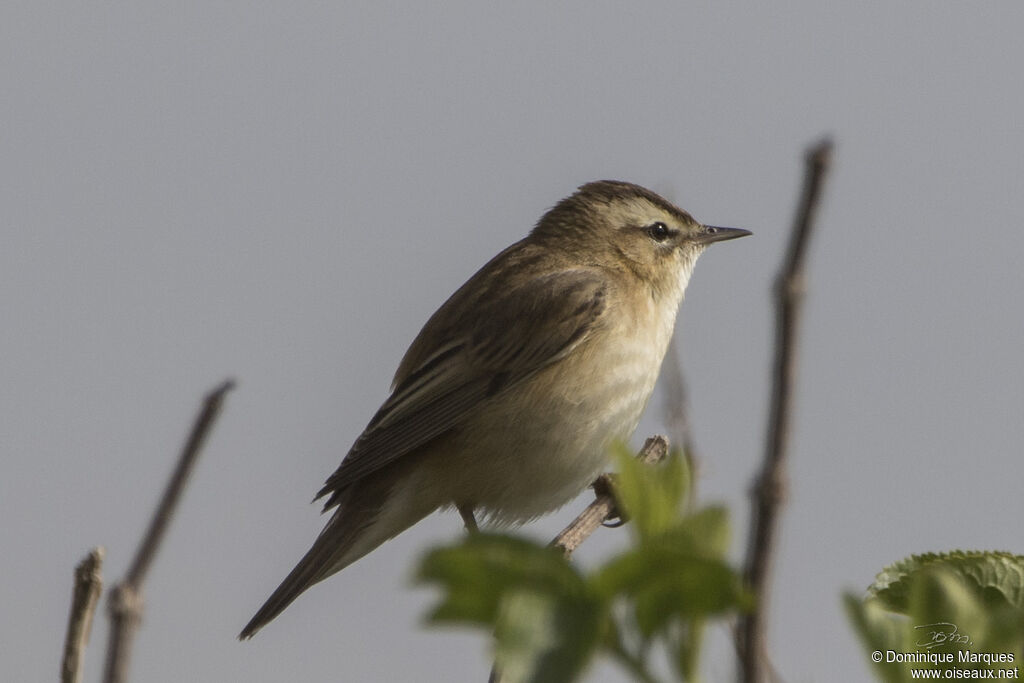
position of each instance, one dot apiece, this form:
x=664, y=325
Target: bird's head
x=628, y=228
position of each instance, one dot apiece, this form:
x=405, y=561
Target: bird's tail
x=368, y=514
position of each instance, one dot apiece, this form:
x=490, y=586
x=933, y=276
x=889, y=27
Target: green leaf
x=687, y=646
x=949, y=606
x=652, y=496
x=547, y=620
x=879, y=632
x=949, y=613
x=475, y=575
x=665, y=582
x=997, y=578
x=705, y=533
x=543, y=638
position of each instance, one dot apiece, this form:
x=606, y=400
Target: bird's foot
x=604, y=485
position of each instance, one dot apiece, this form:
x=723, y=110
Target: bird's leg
x=466, y=512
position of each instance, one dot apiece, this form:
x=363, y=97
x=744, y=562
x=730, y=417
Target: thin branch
x=769, y=487
x=190, y=453
x=603, y=508
x=125, y=602
x=84, y=596
x=677, y=415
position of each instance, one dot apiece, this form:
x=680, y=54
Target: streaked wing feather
x=517, y=334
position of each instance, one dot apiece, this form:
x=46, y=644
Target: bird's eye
x=659, y=232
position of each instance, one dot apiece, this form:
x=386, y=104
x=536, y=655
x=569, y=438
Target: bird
x=508, y=400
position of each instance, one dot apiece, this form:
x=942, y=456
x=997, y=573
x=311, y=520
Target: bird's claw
x=604, y=485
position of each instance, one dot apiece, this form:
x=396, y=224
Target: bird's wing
x=512, y=336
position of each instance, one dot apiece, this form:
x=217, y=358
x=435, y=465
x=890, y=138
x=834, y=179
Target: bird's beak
x=712, y=233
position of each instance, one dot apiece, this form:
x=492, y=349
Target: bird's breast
x=546, y=439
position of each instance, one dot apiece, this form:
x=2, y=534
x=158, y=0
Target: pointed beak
x=715, y=234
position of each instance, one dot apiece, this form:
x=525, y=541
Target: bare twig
x=84, y=596
x=125, y=602
x=655, y=450
x=677, y=414
x=768, y=489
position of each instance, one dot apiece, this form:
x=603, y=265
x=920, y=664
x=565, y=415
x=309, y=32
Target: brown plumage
x=507, y=400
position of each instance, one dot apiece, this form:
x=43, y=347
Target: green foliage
x=550, y=618
x=547, y=619
x=961, y=612
x=996, y=578
x=652, y=496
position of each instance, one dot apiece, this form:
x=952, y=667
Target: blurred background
x=284, y=192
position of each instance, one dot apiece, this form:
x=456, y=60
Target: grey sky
x=284, y=192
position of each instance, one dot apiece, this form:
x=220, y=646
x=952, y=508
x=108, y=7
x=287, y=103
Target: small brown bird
x=507, y=401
